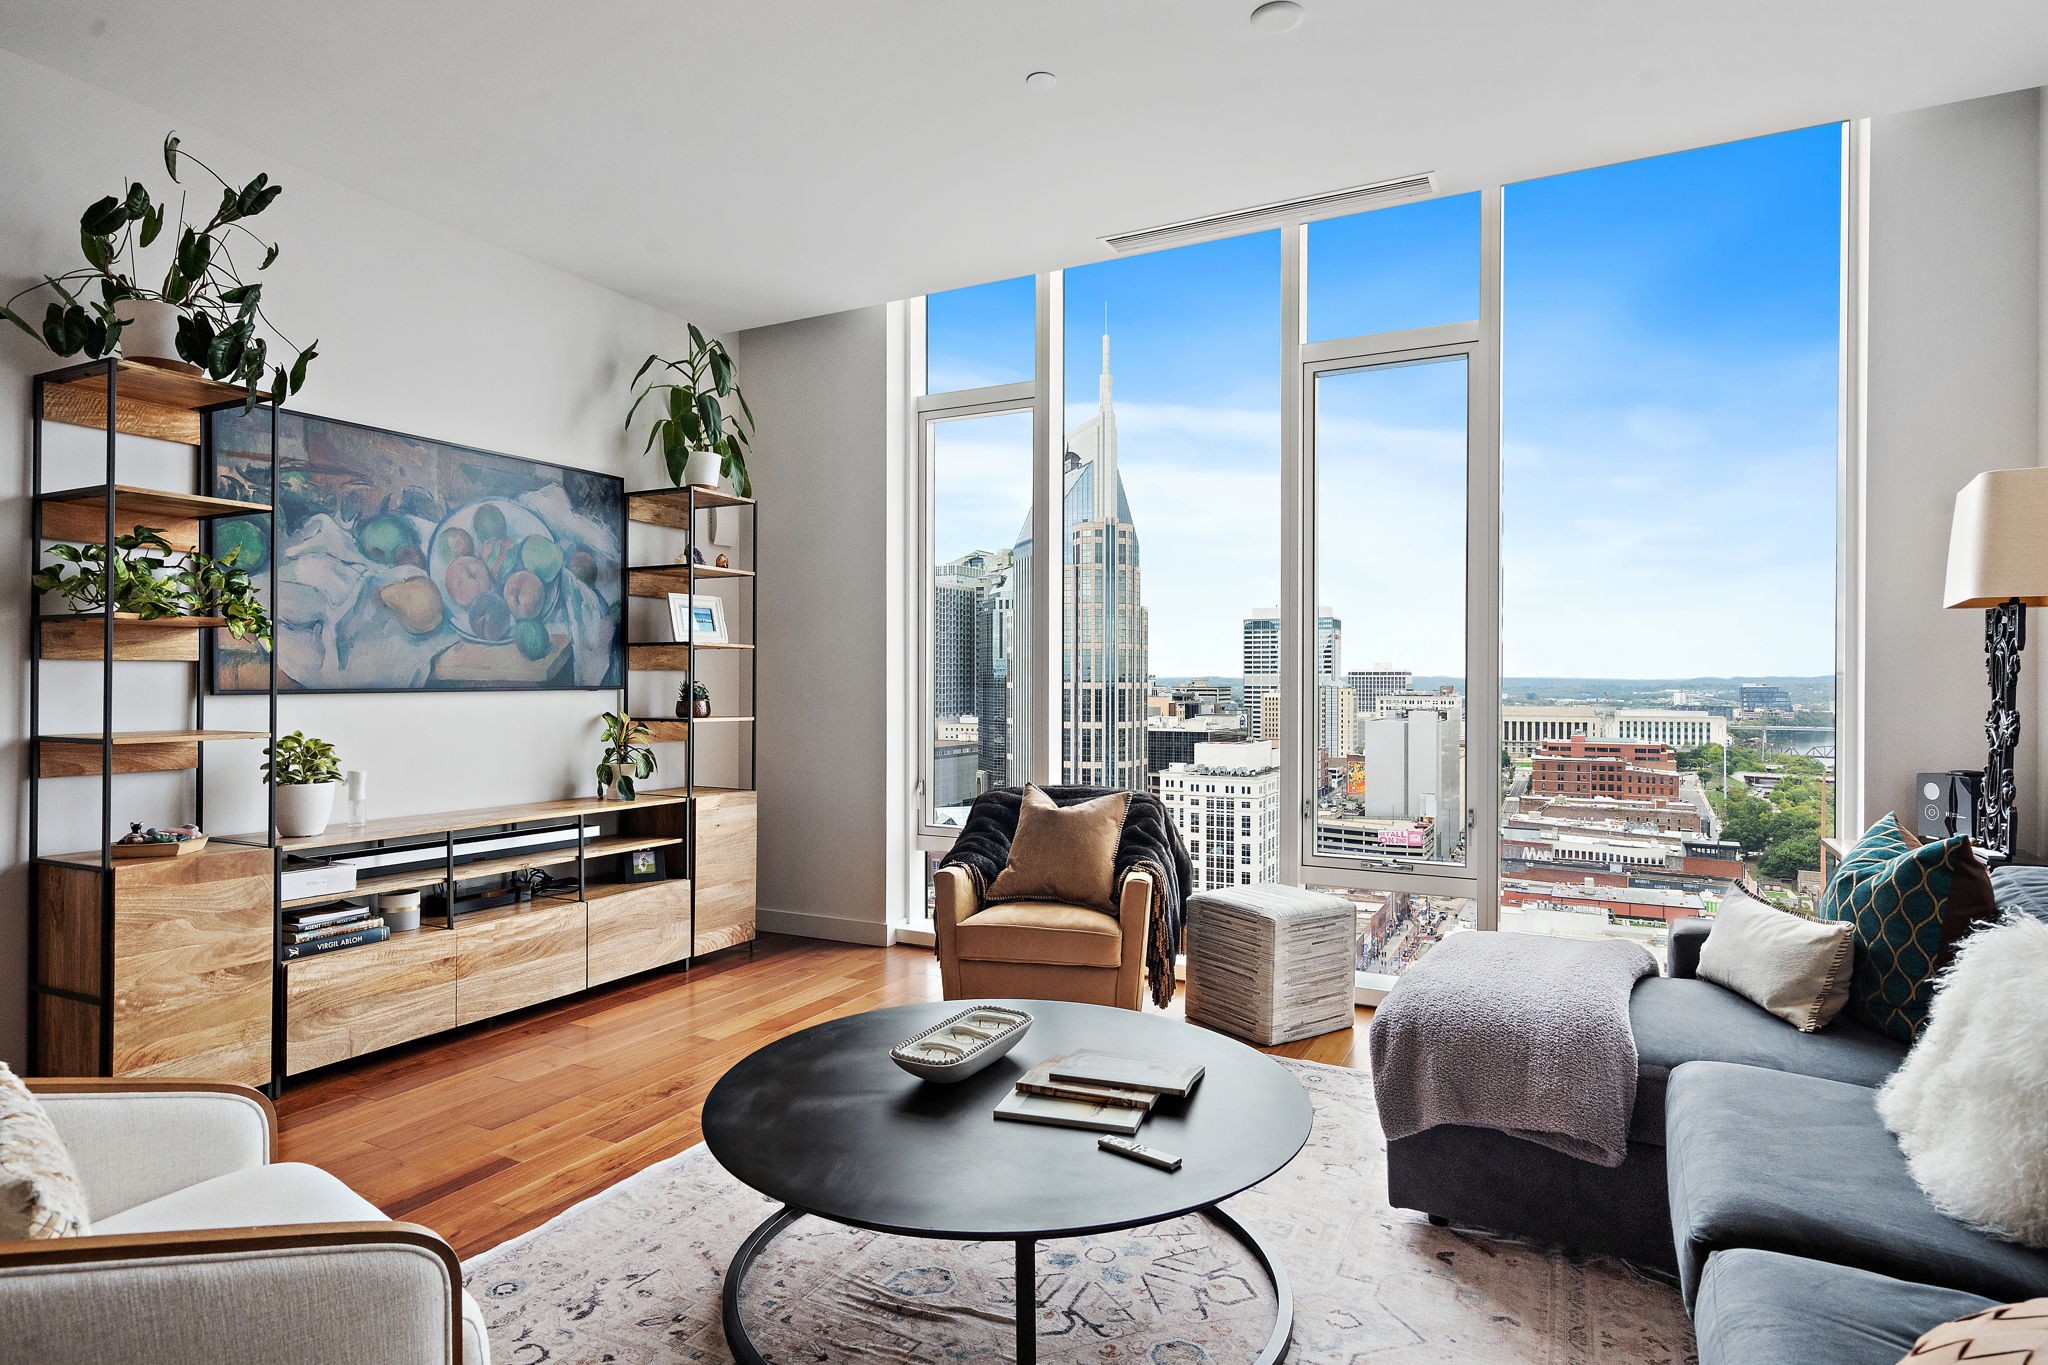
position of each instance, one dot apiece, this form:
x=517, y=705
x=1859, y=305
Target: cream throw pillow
x=2010, y=1334
x=39, y=1191
x=1064, y=853
x=1969, y=1105
x=1798, y=969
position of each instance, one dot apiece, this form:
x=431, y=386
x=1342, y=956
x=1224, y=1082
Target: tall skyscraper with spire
x=1107, y=632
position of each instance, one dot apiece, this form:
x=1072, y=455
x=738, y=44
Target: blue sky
x=1669, y=419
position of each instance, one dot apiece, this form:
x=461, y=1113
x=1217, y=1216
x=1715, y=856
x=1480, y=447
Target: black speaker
x=1946, y=803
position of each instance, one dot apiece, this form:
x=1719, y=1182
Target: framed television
x=406, y=564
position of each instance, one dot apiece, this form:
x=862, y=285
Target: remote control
x=1138, y=1151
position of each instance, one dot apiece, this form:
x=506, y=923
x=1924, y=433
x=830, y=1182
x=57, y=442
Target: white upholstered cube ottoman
x=1270, y=964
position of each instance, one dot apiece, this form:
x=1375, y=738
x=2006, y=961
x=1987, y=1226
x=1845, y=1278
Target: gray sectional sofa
x=1758, y=1172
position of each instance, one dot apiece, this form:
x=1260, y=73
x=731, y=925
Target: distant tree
x=1790, y=857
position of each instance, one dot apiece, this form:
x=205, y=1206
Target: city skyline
x=1669, y=419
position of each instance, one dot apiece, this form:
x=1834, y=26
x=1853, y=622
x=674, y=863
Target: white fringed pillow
x=1798, y=969
x=39, y=1191
x=1969, y=1105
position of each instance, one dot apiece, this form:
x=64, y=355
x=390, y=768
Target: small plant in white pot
x=700, y=440
x=626, y=759
x=305, y=773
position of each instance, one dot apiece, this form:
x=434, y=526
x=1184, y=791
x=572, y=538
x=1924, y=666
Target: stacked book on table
x=325, y=930
x=1096, y=1090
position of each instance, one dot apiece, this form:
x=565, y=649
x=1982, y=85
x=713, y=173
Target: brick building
x=1583, y=767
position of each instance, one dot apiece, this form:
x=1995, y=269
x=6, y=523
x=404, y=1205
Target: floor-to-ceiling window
x=1170, y=484
x=1505, y=599
x=1668, y=534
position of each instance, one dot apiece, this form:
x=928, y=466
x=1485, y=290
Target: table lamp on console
x=1998, y=561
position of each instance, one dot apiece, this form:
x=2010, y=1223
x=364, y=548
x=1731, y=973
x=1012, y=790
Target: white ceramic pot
x=151, y=332
x=304, y=809
x=702, y=468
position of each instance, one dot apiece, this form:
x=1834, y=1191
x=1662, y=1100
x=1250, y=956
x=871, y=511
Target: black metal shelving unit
x=662, y=507
x=121, y=397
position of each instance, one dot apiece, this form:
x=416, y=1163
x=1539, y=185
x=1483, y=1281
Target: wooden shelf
x=171, y=639
x=485, y=867
x=659, y=580
x=485, y=817
x=149, y=400
x=668, y=657
x=678, y=731
x=671, y=506
x=135, y=751
x=80, y=514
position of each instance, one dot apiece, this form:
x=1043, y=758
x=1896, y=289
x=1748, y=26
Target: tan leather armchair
x=1041, y=950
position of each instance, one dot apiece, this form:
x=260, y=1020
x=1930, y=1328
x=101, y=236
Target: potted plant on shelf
x=693, y=699
x=700, y=439
x=627, y=757
x=305, y=773
x=204, y=312
x=152, y=581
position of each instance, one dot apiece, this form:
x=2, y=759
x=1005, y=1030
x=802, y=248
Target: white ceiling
x=752, y=161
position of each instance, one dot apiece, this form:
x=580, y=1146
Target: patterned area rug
x=633, y=1275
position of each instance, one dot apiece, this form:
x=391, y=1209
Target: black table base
x=1275, y=1350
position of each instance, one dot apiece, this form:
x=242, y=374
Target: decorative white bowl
x=960, y=1046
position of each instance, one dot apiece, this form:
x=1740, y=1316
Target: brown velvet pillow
x=1064, y=853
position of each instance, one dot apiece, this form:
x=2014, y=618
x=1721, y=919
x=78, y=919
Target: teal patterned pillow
x=1910, y=902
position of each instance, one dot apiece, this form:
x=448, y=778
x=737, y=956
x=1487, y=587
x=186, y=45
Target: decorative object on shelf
x=724, y=562
x=358, y=798
x=305, y=773
x=696, y=557
x=152, y=581
x=646, y=865
x=962, y=1045
x=698, y=620
x=693, y=700
x=627, y=756
x=174, y=842
x=206, y=313
x=400, y=910
x=439, y=566
x=1998, y=562
x=699, y=439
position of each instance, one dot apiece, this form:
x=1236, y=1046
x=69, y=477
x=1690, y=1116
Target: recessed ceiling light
x=1276, y=16
x=1041, y=80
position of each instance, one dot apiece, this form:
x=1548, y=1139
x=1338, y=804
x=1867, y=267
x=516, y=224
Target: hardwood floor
x=488, y=1132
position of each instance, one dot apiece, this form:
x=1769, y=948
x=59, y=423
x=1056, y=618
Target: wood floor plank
x=486, y=1133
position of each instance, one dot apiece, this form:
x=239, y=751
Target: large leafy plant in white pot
x=701, y=438
x=305, y=773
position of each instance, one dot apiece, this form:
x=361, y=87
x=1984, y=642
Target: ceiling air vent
x=1308, y=209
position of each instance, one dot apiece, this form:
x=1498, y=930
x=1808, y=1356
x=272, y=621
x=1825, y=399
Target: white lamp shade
x=1998, y=541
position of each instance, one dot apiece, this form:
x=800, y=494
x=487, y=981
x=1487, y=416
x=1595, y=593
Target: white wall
x=834, y=680
x=1955, y=381
x=421, y=329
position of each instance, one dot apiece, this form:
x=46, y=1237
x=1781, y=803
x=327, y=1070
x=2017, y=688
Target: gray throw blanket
x=1520, y=1032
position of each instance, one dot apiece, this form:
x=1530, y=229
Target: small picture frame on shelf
x=704, y=612
x=646, y=865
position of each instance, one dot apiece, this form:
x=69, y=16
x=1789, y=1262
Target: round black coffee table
x=825, y=1123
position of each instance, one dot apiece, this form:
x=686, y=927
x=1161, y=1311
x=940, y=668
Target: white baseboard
x=804, y=924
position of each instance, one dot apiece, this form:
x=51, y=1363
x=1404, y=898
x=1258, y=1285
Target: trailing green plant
x=220, y=313
x=694, y=413
x=152, y=579
x=693, y=691
x=627, y=757
x=298, y=761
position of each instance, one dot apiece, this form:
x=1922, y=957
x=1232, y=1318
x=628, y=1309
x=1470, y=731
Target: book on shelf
x=347, y=926
x=1130, y=1073
x=1102, y=1118
x=1038, y=1081
x=313, y=919
x=328, y=945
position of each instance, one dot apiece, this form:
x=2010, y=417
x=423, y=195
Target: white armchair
x=205, y=1252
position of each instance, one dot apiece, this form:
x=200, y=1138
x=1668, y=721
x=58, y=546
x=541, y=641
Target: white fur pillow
x=1969, y=1105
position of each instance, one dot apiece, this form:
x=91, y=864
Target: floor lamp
x=1998, y=561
